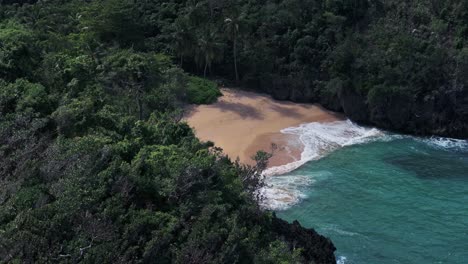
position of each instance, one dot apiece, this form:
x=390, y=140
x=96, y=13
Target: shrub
x=202, y=91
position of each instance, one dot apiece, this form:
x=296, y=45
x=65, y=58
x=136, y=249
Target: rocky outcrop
x=443, y=112
x=353, y=104
x=316, y=248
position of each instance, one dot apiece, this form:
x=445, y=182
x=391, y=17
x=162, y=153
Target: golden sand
x=242, y=123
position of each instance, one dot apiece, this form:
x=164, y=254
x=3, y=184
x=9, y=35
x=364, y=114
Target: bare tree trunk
x=181, y=61
x=139, y=95
x=204, y=71
x=455, y=80
x=235, y=58
x=140, y=108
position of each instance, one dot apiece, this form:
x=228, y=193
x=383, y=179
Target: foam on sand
x=319, y=139
x=242, y=123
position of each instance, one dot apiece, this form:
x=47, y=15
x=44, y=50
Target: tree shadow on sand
x=286, y=111
x=245, y=111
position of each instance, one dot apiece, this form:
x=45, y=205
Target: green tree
x=132, y=74
x=184, y=39
x=234, y=27
x=17, y=54
x=209, y=48
x=113, y=21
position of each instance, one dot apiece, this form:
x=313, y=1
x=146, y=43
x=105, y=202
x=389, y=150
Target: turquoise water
x=399, y=201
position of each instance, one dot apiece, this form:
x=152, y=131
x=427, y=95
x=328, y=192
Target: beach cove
x=401, y=198
x=243, y=122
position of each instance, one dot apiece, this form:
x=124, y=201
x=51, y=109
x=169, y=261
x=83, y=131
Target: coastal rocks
x=316, y=248
x=458, y=114
x=328, y=95
x=354, y=105
x=390, y=110
x=294, y=89
x=442, y=112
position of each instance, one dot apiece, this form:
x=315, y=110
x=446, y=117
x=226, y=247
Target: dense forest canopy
x=95, y=165
x=400, y=65
x=397, y=64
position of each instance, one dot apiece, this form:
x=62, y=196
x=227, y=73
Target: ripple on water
x=403, y=200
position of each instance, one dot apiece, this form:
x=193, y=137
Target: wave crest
x=446, y=143
x=318, y=139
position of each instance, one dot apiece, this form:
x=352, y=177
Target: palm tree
x=209, y=49
x=183, y=40
x=232, y=28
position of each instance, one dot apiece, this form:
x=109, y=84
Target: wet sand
x=242, y=123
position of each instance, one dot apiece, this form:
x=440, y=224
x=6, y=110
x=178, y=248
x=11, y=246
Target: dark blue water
x=401, y=201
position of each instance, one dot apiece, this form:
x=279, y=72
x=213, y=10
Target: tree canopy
x=96, y=165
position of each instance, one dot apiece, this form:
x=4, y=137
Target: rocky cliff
x=444, y=112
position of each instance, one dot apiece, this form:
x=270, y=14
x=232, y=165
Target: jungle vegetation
x=96, y=165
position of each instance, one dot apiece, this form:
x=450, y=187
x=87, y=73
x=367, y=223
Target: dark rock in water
x=317, y=248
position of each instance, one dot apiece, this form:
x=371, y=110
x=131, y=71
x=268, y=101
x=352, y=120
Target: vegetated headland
x=96, y=165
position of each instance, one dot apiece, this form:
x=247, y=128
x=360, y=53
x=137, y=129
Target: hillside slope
x=95, y=164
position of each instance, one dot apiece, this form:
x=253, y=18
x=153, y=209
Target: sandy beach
x=242, y=123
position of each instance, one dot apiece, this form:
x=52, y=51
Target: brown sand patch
x=242, y=123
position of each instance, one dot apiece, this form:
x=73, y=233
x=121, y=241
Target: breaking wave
x=318, y=139
x=449, y=144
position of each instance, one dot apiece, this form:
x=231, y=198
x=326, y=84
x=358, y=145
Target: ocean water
x=380, y=197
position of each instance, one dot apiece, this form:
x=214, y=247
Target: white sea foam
x=282, y=192
x=446, y=143
x=341, y=260
x=318, y=140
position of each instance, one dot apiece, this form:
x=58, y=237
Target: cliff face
x=442, y=113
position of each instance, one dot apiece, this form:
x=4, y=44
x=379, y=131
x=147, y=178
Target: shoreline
x=243, y=122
